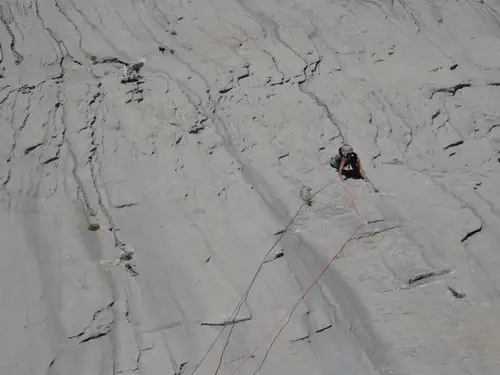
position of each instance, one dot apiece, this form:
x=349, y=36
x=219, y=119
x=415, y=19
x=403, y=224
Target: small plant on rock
x=306, y=195
x=94, y=227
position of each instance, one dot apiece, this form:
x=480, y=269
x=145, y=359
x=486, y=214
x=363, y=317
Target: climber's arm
x=341, y=168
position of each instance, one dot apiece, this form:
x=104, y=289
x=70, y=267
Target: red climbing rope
x=352, y=201
x=290, y=312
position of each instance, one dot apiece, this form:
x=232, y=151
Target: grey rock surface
x=153, y=153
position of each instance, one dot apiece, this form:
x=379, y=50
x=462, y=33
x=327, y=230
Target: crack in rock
x=324, y=328
x=450, y=90
x=52, y=363
x=272, y=258
x=31, y=148
x=283, y=156
x=492, y=127
x=95, y=336
x=376, y=232
x=50, y=160
x=197, y=128
x=301, y=339
x=426, y=276
x=456, y=294
x=107, y=60
x=226, y=322
x=454, y=144
x=101, y=325
x=181, y=368
x=471, y=233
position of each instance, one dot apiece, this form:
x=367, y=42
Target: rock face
x=152, y=158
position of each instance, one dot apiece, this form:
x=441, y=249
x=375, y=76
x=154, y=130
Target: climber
x=348, y=165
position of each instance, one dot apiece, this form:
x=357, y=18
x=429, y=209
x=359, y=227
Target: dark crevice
x=283, y=156
x=125, y=205
x=451, y=90
x=95, y=336
x=50, y=160
x=182, y=367
x=18, y=58
x=226, y=322
x=107, y=60
x=304, y=338
x=454, y=144
x=492, y=127
x=278, y=255
x=31, y=148
x=420, y=277
x=52, y=363
x=76, y=336
x=98, y=312
x=376, y=232
x=455, y=293
x=426, y=275
x=471, y=233
x=324, y=328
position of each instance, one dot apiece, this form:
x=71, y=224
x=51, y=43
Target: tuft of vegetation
x=306, y=195
x=94, y=227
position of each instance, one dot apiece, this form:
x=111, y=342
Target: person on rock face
x=348, y=165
